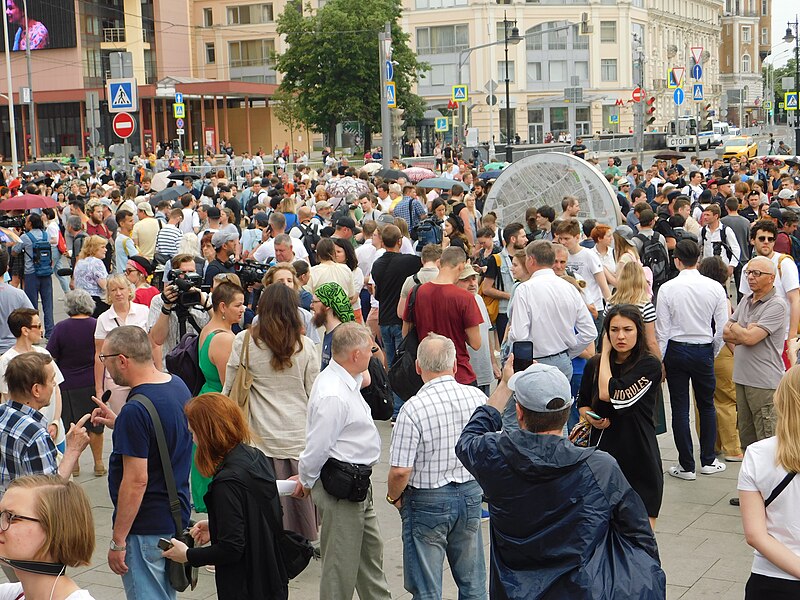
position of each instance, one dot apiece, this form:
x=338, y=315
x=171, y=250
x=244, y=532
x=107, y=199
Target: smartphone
x=106, y=397
x=523, y=355
x=164, y=544
x=594, y=415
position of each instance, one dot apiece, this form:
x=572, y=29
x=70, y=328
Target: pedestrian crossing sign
x=122, y=95
x=391, y=94
x=179, y=111
x=767, y=105
x=675, y=77
x=460, y=93
x=697, y=92
x=442, y=124
x=790, y=100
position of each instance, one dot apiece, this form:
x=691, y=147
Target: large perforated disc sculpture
x=544, y=180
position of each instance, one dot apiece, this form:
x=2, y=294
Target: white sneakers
x=715, y=467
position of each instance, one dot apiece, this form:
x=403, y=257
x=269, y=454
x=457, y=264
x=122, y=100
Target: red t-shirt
x=145, y=295
x=449, y=311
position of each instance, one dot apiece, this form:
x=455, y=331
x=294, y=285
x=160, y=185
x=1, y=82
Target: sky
x=783, y=11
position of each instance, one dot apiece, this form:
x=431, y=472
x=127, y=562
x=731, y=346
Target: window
x=250, y=13
x=764, y=8
x=208, y=17
x=579, y=42
x=746, y=37
x=557, y=40
x=608, y=32
x=442, y=75
x=425, y=4
x=582, y=69
x=92, y=63
x=535, y=115
x=534, y=72
x=608, y=69
x=211, y=54
x=501, y=70
x=446, y=39
x=558, y=70
x=745, y=63
x=251, y=53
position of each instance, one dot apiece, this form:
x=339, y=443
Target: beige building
x=746, y=33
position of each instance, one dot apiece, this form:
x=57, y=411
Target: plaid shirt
x=427, y=429
x=403, y=208
x=25, y=444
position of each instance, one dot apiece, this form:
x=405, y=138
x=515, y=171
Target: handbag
x=240, y=390
x=180, y=575
x=581, y=434
x=403, y=376
x=345, y=481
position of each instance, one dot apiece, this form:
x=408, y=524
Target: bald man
x=757, y=330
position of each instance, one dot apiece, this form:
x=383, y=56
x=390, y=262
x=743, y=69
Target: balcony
x=113, y=34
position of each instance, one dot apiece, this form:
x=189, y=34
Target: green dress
x=199, y=483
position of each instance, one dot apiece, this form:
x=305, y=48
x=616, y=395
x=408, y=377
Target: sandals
x=100, y=470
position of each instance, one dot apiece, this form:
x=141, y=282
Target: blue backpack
x=42, y=255
x=427, y=232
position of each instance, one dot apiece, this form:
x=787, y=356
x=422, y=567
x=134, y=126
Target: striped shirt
x=427, y=429
x=168, y=240
x=27, y=448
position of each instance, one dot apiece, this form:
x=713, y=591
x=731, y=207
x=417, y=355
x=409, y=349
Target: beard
x=320, y=317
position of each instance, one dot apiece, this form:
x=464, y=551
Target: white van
x=721, y=133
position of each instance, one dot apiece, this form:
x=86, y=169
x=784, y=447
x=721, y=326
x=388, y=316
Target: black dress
x=631, y=436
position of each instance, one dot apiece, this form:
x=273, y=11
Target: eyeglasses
x=103, y=357
x=129, y=271
x=748, y=273
x=764, y=238
x=35, y=326
x=7, y=518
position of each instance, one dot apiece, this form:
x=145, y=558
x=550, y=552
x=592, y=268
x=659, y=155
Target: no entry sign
x=638, y=94
x=124, y=125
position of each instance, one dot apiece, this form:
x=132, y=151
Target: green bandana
x=334, y=297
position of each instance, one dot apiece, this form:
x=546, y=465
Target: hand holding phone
x=523, y=355
x=594, y=415
x=164, y=544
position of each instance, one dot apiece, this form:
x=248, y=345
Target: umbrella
x=496, y=166
x=181, y=175
x=370, y=168
x=160, y=181
x=669, y=154
x=339, y=188
x=42, y=165
x=43, y=179
x=417, y=174
x=27, y=201
x=487, y=175
x=792, y=160
x=390, y=174
x=439, y=182
x=171, y=193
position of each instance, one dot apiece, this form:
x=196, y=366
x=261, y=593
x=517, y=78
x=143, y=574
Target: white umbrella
x=372, y=167
x=160, y=181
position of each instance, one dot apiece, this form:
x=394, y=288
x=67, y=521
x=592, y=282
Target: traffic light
x=586, y=27
x=705, y=118
x=398, y=125
x=650, y=110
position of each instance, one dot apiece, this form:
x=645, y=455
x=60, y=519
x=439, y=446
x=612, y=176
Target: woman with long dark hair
x=620, y=385
x=284, y=364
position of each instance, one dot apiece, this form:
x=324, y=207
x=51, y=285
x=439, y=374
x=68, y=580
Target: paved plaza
x=700, y=537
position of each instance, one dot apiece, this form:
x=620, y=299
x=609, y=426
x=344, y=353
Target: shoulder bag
x=403, y=376
x=180, y=575
x=240, y=390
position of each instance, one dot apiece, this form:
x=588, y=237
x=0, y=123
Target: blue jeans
x=695, y=363
x=439, y=523
x=562, y=362
x=392, y=335
x=61, y=262
x=41, y=286
x=146, y=578
x=574, y=413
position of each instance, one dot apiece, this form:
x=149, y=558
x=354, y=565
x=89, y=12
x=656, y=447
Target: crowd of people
x=247, y=326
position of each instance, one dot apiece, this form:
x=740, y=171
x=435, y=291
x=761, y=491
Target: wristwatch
x=393, y=501
x=114, y=547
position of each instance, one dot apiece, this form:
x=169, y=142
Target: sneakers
x=734, y=458
x=676, y=471
x=484, y=514
x=715, y=467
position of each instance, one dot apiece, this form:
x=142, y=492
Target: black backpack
x=723, y=243
x=655, y=256
x=378, y=394
x=184, y=360
x=310, y=239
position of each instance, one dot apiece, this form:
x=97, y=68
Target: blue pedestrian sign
x=391, y=95
x=679, y=95
x=442, y=124
x=697, y=92
x=122, y=95
x=790, y=100
x=697, y=72
x=178, y=98
x=460, y=93
x=389, y=71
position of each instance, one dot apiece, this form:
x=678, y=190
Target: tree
x=776, y=76
x=332, y=65
x=287, y=110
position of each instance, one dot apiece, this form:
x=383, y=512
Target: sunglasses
x=765, y=238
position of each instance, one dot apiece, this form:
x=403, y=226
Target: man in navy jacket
x=565, y=524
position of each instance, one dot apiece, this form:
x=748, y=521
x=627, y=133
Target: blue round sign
x=389, y=71
x=697, y=72
x=679, y=95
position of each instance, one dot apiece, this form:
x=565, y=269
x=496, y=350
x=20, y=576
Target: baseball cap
x=723, y=181
x=323, y=204
x=262, y=218
x=212, y=212
x=467, y=272
x=349, y=223
x=105, y=202
x=625, y=231
x=537, y=385
x=220, y=238
x=786, y=194
x=386, y=218
x=146, y=208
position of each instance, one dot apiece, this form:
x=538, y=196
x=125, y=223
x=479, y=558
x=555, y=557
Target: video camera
x=188, y=285
x=250, y=272
x=10, y=222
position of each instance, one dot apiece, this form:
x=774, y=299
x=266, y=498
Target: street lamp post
x=12, y=128
x=795, y=37
x=514, y=38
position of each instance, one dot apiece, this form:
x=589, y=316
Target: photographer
x=169, y=315
x=224, y=243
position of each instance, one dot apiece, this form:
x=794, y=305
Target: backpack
x=493, y=304
x=310, y=239
x=428, y=231
x=42, y=256
x=655, y=256
x=795, y=248
x=378, y=394
x=723, y=236
x=184, y=359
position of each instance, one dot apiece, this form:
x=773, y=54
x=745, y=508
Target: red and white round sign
x=124, y=125
x=638, y=94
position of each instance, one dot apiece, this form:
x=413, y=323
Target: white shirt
x=190, y=222
x=12, y=591
x=267, y=250
x=427, y=429
x=551, y=313
x=686, y=306
x=707, y=244
x=339, y=425
x=587, y=264
x=107, y=321
x=366, y=255
x=759, y=473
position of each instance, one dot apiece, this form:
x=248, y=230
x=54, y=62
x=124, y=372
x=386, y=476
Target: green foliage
x=332, y=63
x=787, y=70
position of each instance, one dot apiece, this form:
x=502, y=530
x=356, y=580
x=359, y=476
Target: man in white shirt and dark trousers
x=692, y=311
x=342, y=445
x=712, y=242
x=428, y=484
